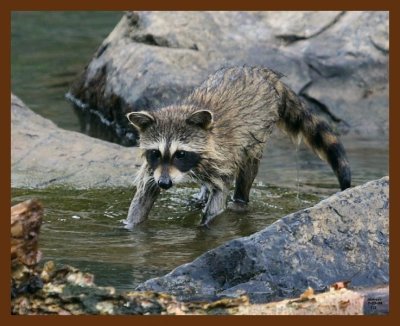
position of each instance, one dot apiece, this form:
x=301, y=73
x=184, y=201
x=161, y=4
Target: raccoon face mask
x=172, y=146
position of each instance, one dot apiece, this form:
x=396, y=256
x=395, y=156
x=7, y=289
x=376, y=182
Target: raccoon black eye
x=155, y=154
x=180, y=154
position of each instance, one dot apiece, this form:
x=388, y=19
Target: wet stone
x=44, y=155
x=162, y=56
x=344, y=237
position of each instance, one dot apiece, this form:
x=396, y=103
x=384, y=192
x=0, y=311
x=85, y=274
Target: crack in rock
x=321, y=106
x=378, y=47
x=161, y=41
x=52, y=180
x=292, y=38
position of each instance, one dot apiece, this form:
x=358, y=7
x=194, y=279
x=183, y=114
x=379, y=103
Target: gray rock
x=338, y=61
x=342, y=238
x=43, y=155
x=349, y=71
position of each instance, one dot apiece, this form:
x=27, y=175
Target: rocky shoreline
x=343, y=238
x=243, y=269
x=44, y=155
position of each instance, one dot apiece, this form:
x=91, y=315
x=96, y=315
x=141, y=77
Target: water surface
x=83, y=229
x=49, y=49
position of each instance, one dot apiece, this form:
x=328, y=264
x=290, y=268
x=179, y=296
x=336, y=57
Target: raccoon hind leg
x=243, y=184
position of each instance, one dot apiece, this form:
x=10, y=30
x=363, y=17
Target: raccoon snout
x=165, y=183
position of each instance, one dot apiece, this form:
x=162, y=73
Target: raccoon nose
x=165, y=183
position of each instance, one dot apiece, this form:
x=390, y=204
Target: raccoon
x=216, y=136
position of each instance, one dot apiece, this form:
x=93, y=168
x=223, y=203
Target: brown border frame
x=5, y=14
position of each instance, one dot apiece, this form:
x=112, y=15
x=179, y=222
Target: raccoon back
x=248, y=102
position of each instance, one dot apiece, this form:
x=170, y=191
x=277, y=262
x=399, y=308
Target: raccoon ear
x=141, y=120
x=201, y=118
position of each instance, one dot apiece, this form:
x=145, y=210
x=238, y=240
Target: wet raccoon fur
x=217, y=136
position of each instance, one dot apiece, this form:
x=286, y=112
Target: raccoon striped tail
x=300, y=123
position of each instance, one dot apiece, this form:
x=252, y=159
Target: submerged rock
x=342, y=238
x=337, y=61
x=43, y=155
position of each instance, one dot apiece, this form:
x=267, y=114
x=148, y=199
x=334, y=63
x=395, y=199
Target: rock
x=342, y=238
x=338, y=61
x=349, y=71
x=371, y=301
x=43, y=155
x=26, y=219
x=65, y=290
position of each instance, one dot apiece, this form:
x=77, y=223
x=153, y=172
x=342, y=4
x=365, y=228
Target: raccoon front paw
x=128, y=224
x=238, y=206
x=207, y=218
x=131, y=222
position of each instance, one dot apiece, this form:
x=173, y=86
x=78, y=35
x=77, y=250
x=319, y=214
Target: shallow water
x=48, y=51
x=83, y=228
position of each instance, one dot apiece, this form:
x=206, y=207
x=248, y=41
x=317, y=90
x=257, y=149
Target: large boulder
x=44, y=155
x=337, y=61
x=342, y=238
